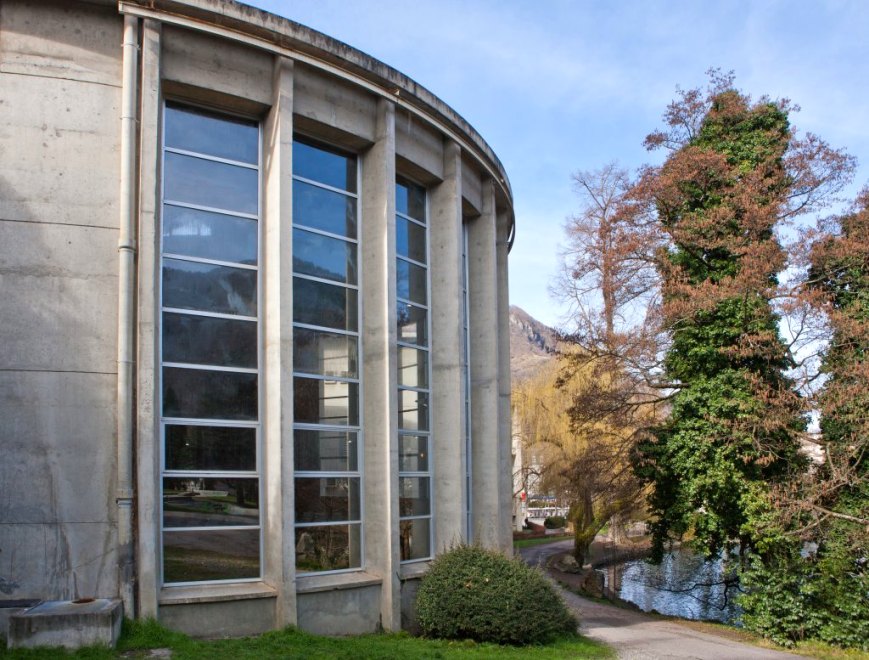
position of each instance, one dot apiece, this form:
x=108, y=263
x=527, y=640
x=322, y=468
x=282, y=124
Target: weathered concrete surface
x=231, y=618
x=68, y=624
x=59, y=134
x=340, y=612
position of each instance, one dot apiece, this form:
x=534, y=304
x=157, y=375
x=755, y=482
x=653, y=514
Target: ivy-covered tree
x=736, y=170
x=812, y=579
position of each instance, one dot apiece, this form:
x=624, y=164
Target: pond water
x=683, y=585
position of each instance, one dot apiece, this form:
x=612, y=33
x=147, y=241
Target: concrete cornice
x=288, y=35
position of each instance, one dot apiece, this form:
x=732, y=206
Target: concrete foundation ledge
x=310, y=584
x=71, y=624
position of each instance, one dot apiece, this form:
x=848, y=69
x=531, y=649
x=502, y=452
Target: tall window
x=210, y=347
x=414, y=439
x=326, y=359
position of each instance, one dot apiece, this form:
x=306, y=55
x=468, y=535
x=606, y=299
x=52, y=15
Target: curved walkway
x=638, y=636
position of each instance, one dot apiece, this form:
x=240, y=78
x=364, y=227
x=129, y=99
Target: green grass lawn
x=525, y=543
x=139, y=637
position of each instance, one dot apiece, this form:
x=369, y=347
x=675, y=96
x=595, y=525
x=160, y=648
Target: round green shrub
x=554, y=522
x=472, y=593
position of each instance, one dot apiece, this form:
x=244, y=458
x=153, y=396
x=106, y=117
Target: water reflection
x=683, y=585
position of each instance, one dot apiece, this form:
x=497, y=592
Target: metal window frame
x=358, y=474
x=400, y=179
x=181, y=421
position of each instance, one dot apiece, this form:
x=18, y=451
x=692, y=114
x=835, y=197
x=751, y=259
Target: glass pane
x=415, y=539
x=199, y=394
x=328, y=305
x=321, y=256
x=209, y=288
x=195, y=233
x=326, y=402
x=325, y=499
x=210, y=555
x=192, y=129
x=410, y=200
x=206, y=340
x=412, y=367
x=412, y=324
x=414, y=496
x=325, y=353
x=204, y=502
x=210, y=448
x=318, y=164
x=412, y=410
x=325, y=451
x=324, y=209
x=411, y=282
x=412, y=453
x=328, y=548
x=410, y=239
x=209, y=183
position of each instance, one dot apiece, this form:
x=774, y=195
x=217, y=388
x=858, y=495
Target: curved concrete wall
x=60, y=136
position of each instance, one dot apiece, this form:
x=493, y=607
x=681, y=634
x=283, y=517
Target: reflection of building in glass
x=288, y=389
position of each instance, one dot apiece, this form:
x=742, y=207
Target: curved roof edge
x=290, y=35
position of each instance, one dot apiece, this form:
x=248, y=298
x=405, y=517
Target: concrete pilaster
x=484, y=350
x=505, y=427
x=277, y=381
x=379, y=360
x=447, y=402
x=147, y=423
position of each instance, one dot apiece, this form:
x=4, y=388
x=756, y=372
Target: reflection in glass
x=197, y=394
x=413, y=496
x=412, y=453
x=210, y=448
x=412, y=410
x=328, y=305
x=208, y=183
x=209, y=288
x=322, y=256
x=415, y=539
x=206, y=235
x=323, y=209
x=210, y=502
x=327, y=499
x=193, y=556
x=324, y=451
x=324, y=166
x=412, y=324
x=410, y=200
x=192, y=129
x=324, y=353
x=328, y=548
x=410, y=239
x=411, y=282
x=412, y=367
x=325, y=402
x=206, y=340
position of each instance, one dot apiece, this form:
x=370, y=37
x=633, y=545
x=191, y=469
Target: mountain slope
x=532, y=344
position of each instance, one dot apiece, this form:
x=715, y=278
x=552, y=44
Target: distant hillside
x=532, y=344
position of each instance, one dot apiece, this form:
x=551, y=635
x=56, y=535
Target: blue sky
x=559, y=86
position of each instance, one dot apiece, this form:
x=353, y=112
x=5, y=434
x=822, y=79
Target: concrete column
x=147, y=397
x=505, y=426
x=447, y=402
x=277, y=374
x=485, y=427
x=379, y=365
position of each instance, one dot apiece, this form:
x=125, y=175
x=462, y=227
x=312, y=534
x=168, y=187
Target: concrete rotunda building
x=254, y=363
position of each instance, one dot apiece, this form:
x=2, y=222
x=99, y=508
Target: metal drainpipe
x=126, y=315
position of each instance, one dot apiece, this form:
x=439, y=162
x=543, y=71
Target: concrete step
x=70, y=624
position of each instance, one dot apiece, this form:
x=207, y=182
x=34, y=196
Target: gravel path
x=638, y=636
